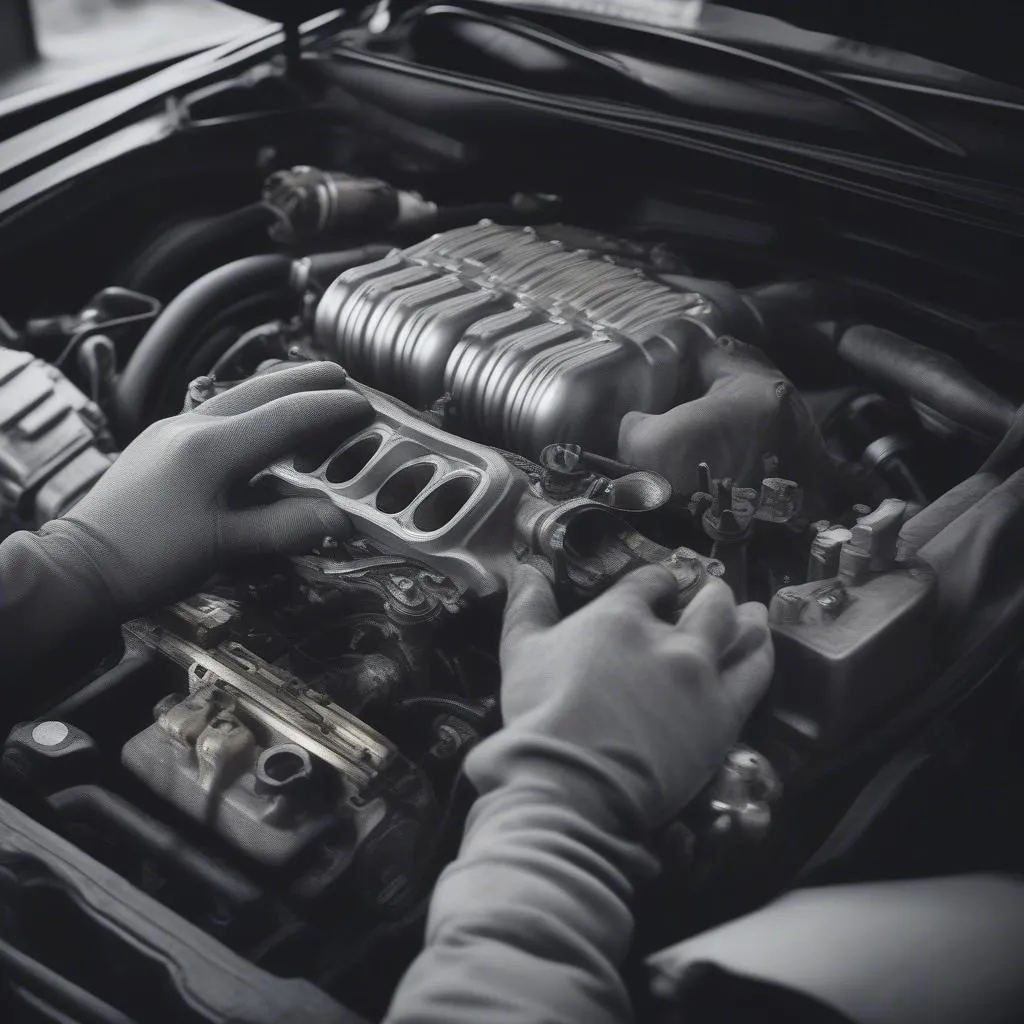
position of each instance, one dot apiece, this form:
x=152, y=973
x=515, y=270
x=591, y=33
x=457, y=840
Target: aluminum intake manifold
x=463, y=510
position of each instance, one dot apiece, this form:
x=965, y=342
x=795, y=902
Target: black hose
x=98, y=701
x=504, y=212
x=109, y=814
x=932, y=378
x=783, y=305
x=180, y=255
x=23, y=973
x=184, y=320
x=761, y=315
x=798, y=316
x=320, y=269
x=477, y=711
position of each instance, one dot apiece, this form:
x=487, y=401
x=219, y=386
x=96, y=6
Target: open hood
x=284, y=10
x=977, y=37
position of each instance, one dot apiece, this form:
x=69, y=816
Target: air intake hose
x=184, y=320
x=933, y=379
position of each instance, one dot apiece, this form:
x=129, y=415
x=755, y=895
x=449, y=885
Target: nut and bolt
x=448, y=744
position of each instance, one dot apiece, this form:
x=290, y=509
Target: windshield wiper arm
x=820, y=83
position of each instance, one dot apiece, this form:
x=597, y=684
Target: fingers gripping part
x=710, y=619
x=288, y=526
x=752, y=630
x=749, y=663
x=161, y=520
x=257, y=391
x=531, y=606
x=640, y=704
x=651, y=586
x=283, y=426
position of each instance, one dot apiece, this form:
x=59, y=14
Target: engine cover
x=533, y=342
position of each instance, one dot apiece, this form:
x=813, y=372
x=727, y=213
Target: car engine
x=285, y=747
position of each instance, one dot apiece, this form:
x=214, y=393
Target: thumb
x=650, y=585
x=252, y=440
x=531, y=606
x=290, y=526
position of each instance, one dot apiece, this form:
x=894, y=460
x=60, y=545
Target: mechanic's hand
x=652, y=704
x=159, y=522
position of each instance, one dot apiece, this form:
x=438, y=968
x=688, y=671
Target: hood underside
x=979, y=38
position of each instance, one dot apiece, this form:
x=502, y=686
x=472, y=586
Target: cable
x=61, y=993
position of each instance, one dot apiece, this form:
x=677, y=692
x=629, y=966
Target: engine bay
x=276, y=757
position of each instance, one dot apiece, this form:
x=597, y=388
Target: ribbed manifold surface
x=534, y=342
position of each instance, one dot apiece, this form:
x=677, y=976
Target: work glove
x=642, y=703
x=164, y=517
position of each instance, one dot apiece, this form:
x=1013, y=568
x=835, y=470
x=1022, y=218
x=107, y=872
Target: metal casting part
x=535, y=342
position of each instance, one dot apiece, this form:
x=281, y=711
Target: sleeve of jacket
x=54, y=621
x=532, y=921
x=910, y=951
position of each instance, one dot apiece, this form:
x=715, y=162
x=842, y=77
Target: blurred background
x=71, y=30
x=80, y=40
x=79, y=37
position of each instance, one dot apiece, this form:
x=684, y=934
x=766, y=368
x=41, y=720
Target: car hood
x=979, y=36
x=284, y=10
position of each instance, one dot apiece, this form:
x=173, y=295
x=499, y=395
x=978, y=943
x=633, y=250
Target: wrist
x=562, y=773
x=70, y=555
x=56, y=616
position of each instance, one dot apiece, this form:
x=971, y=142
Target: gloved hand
x=159, y=522
x=646, y=706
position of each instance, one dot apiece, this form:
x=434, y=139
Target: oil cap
x=49, y=755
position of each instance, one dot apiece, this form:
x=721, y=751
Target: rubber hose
x=25, y=976
x=89, y=706
x=109, y=813
x=785, y=307
x=477, y=711
x=448, y=217
x=323, y=267
x=185, y=318
x=932, y=378
x=779, y=310
x=171, y=261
